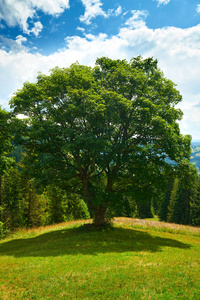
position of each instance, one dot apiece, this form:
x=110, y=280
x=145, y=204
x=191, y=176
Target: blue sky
x=37, y=35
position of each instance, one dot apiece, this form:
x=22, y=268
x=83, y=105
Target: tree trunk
x=100, y=215
x=100, y=210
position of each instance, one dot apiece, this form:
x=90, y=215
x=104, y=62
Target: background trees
x=181, y=200
x=5, y=148
x=102, y=131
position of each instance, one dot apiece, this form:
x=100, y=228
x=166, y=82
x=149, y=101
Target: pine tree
x=165, y=203
x=195, y=205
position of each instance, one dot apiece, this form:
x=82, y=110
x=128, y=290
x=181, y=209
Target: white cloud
x=20, y=39
x=162, y=2
x=81, y=29
x=92, y=10
x=13, y=45
x=177, y=51
x=113, y=12
x=198, y=8
x=99, y=38
x=137, y=20
x=17, y=12
x=118, y=11
x=37, y=28
x=51, y=7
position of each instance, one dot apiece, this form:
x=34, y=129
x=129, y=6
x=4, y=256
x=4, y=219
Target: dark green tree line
x=181, y=202
x=5, y=149
x=23, y=206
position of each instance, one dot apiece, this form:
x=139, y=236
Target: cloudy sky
x=37, y=35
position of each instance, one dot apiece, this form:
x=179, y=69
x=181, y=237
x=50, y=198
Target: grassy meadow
x=136, y=259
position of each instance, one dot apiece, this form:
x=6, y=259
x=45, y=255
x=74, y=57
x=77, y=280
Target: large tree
x=105, y=131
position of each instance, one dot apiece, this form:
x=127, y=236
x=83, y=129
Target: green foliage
x=5, y=149
x=163, y=212
x=99, y=131
x=11, y=196
x=63, y=206
x=17, y=153
x=174, y=209
x=195, y=205
x=1, y=229
x=21, y=205
x=6, y=131
x=126, y=207
x=181, y=202
x=144, y=208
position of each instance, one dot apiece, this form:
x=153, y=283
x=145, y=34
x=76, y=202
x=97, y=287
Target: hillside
x=137, y=259
x=195, y=155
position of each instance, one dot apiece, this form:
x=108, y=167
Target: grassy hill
x=137, y=259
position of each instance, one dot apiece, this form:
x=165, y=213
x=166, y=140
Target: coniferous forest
x=96, y=143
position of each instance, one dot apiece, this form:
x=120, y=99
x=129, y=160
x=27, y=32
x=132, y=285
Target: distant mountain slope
x=195, y=155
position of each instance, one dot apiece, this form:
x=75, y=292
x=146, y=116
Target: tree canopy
x=102, y=131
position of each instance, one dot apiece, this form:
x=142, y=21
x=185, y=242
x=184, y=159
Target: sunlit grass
x=67, y=261
x=158, y=226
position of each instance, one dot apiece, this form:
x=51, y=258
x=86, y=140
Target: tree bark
x=99, y=210
x=100, y=215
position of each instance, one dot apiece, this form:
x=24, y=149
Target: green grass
x=131, y=261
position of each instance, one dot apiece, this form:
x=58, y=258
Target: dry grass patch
x=157, y=225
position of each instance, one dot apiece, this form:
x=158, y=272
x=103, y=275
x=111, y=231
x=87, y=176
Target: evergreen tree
x=64, y=206
x=5, y=149
x=195, y=205
x=183, y=195
x=179, y=206
x=13, y=209
x=166, y=200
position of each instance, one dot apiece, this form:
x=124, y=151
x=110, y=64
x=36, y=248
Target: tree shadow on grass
x=74, y=241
